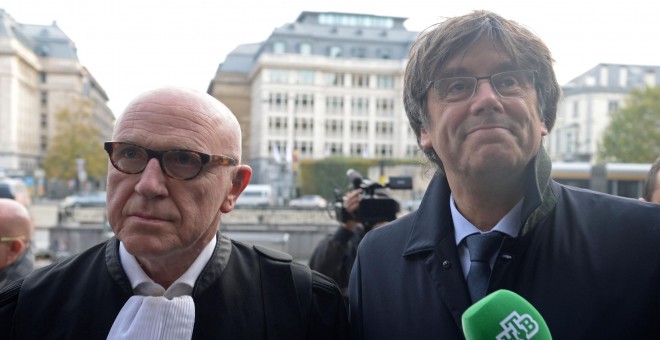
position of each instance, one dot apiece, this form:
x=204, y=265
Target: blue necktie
x=482, y=247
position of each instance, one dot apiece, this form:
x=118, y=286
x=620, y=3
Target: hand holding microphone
x=504, y=315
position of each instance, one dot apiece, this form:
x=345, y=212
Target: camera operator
x=334, y=255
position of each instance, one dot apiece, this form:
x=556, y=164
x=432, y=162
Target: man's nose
x=485, y=98
x=485, y=87
x=152, y=180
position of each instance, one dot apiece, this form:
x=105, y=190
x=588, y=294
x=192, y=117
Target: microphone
x=354, y=177
x=504, y=315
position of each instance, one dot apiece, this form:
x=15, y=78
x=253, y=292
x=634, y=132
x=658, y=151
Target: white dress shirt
x=155, y=312
x=509, y=225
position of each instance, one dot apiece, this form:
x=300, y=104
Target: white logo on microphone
x=518, y=327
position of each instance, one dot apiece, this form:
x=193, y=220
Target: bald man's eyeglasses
x=12, y=238
x=178, y=164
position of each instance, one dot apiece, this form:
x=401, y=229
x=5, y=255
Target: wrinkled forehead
x=179, y=120
x=451, y=64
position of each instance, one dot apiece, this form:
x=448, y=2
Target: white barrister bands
x=155, y=317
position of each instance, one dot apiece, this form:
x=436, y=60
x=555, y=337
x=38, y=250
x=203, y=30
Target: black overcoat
x=589, y=262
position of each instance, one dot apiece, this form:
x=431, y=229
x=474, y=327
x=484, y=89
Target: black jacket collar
x=428, y=227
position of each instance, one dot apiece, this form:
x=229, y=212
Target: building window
x=305, y=77
x=570, y=143
x=649, y=78
x=44, y=120
x=44, y=97
x=576, y=111
x=384, y=81
x=334, y=128
x=385, y=107
x=305, y=49
x=278, y=76
x=384, y=53
x=335, y=52
x=359, y=106
x=612, y=106
x=332, y=149
x=361, y=80
x=359, y=150
x=42, y=76
x=360, y=52
x=277, y=126
x=623, y=76
x=305, y=148
x=356, y=20
x=334, y=79
x=359, y=129
x=279, y=47
x=303, y=127
x=276, y=145
x=385, y=129
x=303, y=102
x=277, y=102
x=334, y=105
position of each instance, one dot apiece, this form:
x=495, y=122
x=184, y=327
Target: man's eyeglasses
x=178, y=164
x=12, y=238
x=510, y=84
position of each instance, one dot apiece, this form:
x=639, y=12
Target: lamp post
x=82, y=174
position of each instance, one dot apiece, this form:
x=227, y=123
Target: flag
x=289, y=154
x=276, y=153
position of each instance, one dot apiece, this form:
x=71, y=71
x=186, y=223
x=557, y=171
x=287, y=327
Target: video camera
x=375, y=205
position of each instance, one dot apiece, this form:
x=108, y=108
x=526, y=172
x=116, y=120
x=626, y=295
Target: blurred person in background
x=174, y=170
x=335, y=254
x=16, y=228
x=652, y=184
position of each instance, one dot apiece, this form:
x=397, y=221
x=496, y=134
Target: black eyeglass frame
x=476, y=84
x=204, y=158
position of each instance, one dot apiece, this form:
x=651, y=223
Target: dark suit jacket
x=80, y=298
x=589, y=262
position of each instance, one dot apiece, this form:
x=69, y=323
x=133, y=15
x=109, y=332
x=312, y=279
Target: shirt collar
x=142, y=284
x=509, y=224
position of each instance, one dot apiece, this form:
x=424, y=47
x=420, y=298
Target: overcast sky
x=131, y=46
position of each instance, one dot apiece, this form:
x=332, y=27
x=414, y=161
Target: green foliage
x=322, y=177
x=633, y=135
x=76, y=137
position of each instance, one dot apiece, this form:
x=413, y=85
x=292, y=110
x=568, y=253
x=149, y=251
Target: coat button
x=446, y=264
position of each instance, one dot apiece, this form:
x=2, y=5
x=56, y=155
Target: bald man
x=174, y=170
x=15, y=235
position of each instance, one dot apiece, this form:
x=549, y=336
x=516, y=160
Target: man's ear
x=15, y=249
x=425, y=139
x=544, y=129
x=238, y=184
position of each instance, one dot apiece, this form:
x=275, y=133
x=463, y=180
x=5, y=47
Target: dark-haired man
x=480, y=93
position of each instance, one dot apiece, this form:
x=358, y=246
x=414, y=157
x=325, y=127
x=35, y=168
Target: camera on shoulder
x=375, y=204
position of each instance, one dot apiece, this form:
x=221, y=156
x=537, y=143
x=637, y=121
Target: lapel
x=432, y=240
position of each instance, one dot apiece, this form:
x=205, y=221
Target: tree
x=634, y=132
x=76, y=137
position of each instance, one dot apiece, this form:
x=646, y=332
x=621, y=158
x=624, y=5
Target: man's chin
x=496, y=162
x=143, y=245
